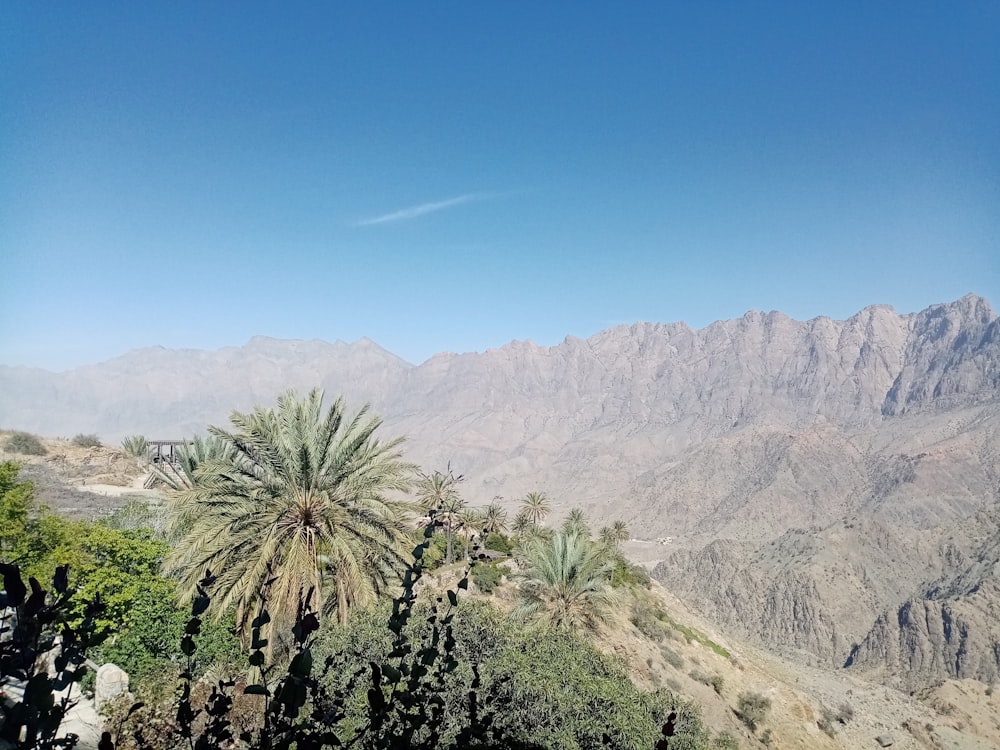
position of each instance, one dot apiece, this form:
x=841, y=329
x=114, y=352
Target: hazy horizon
x=248, y=341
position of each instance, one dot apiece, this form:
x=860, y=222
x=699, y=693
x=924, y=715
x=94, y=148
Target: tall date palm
x=536, y=507
x=566, y=583
x=301, y=502
x=438, y=493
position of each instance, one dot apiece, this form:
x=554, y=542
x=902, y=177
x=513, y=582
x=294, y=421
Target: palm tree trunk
x=341, y=601
x=449, y=554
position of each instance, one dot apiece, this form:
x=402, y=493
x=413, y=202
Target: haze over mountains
x=831, y=487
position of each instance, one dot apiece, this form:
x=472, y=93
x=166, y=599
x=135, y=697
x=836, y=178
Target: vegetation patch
x=86, y=441
x=715, y=681
x=752, y=709
x=25, y=443
x=486, y=576
x=656, y=624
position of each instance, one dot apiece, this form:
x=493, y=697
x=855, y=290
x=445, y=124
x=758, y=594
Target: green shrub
x=555, y=691
x=725, y=741
x=752, y=709
x=26, y=444
x=498, y=542
x=648, y=619
x=629, y=575
x=87, y=441
x=486, y=576
x=435, y=552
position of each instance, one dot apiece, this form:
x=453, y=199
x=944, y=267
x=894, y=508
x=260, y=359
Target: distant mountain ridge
x=877, y=363
x=816, y=476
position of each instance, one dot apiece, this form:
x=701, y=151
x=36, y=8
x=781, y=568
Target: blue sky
x=451, y=176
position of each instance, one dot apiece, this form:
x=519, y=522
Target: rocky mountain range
x=829, y=488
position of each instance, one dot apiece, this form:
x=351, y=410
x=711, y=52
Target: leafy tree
x=566, y=583
x=149, y=648
x=300, y=505
x=498, y=542
x=29, y=534
x=15, y=503
x=438, y=492
x=119, y=567
x=535, y=507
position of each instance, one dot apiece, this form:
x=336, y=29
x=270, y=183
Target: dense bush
x=87, y=441
x=752, y=709
x=435, y=553
x=627, y=574
x=25, y=443
x=552, y=692
x=648, y=619
x=486, y=576
x=498, y=542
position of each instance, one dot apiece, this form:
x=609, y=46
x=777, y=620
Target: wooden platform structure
x=164, y=450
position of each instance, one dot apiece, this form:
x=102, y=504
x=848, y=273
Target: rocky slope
x=815, y=477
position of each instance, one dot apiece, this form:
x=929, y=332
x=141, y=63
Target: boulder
x=111, y=682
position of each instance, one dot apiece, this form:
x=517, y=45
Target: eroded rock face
x=956, y=636
x=952, y=355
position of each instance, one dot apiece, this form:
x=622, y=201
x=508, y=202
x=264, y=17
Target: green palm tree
x=612, y=536
x=179, y=474
x=135, y=446
x=297, y=503
x=522, y=525
x=566, y=582
x=438, y=492
x=495, y=517
x=536, y=507
x=471, y=522
x=619, y=532
x=576, y=523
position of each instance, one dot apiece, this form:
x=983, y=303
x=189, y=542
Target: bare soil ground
x=78, y=482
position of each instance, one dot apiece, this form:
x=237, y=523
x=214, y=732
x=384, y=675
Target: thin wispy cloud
x=413, y=212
